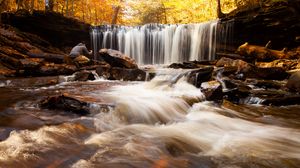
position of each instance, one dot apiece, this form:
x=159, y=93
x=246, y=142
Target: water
x=165, y=44
x=160, y=123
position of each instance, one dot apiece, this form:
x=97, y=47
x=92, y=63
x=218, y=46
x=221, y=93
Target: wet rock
x=294, y=82
x=127, y=74
x=191, y=64
x=182, y=66
x=104, y=71
x=117, y=59
x=31, y=63
x=55, y=69
x=84, y=76
x=212, y=90
x=282, y=100
x=81, y=61
x=234, y=91
x=282, y=63
x=12, y=52
x=196, y=77
x=116, y=73
x=265, y=84
x=10, y=62
x=273, y=73
x=66, y=103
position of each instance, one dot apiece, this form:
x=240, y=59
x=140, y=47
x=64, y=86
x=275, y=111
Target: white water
x=163, y=44
x=153, y=124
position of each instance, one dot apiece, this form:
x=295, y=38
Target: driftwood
x=49, y=57
x=260, y=53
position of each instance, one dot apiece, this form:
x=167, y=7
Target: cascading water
x=163, y=44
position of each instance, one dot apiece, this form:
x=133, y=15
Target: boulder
x=81, y=61
x=117, y=59
x=84, y=76
x=212, y=90
x=196, y=77
x=65, y=103
x=294, y=82
x=116, y=73
x=127, y=74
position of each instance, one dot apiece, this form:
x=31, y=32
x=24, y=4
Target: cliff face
x=278, y=23
x=60, y=31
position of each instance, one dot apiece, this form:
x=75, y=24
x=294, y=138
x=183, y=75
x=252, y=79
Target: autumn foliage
x=132, y=12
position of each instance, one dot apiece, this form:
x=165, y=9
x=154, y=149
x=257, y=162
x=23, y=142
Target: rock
x=127, y=74
x=282, y=63
x=234, y=91
x=31, y=63
x=84, y=76
x=55, y=69
x=82, y=61
x=117, y=59
x=49, y=26
x=10, y=62
x=66, y=103
x=273, y=73
x=104, y=71
x=294, y=82
x=116, y=73
x=196, y=77
x=12, y=52
x=265, y=84
x=191, y=64
x=282, y=100
x=228, y=62
x=212, y=90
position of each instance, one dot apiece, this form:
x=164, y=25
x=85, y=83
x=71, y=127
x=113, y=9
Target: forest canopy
x=134, y=12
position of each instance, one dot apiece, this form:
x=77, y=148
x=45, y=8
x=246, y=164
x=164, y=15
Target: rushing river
x=157, y=124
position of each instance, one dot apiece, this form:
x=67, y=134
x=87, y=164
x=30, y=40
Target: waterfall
x=163, y=44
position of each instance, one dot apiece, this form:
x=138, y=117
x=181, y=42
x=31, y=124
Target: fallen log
x=260, y=53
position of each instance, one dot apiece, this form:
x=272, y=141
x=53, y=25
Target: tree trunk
x=72, y=8
x=32, y=5
x=50, y=5
x=220, y=14
x=67, y=7
x=1, y=8
x=115, y=15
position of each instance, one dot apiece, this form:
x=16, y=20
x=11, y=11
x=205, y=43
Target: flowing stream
x=159, y=123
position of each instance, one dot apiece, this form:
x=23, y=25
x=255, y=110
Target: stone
x=82, y=61
x=116, y=73
x=293, y=83
x=196, y=77
x=31, y=63
x=282, y=63
x=55, y=69
x=84, y=76
x=212, y=90
x=65, y=103
x=117, y=59
x=282, y=100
